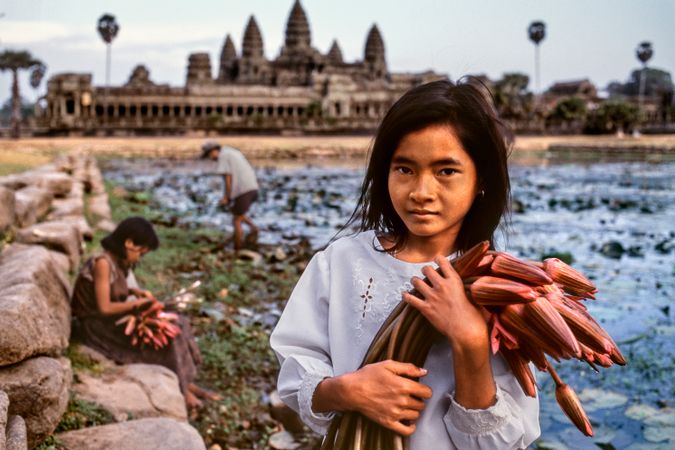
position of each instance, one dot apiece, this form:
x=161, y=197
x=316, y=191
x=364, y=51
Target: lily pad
x=640, y=412
x=594, y=399
x=660, y=434
x=546, y=444
x=663, y=418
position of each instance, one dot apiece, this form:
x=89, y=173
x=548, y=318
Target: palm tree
x=15, y=61
x=37, y=74
x=108, y=28
x=644, y=53
x=536, y=32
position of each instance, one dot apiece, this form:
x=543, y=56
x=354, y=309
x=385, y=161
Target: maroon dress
x=99, y=332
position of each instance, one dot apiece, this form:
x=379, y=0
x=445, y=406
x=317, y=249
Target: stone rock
x=99, y=207
x=249, y=255
x=17, y=436
x=134, y=390
x=63, y=207
x=35, y=304
x=283, y=440
x=4, y=406
x=93, y=356
x=80, y=223
x=106, y=225
x=7, y=209
x=143, y=434
x=57, y=183
x=61, y=260
x=63, y=237
x=32, y=203
x=15, y=181
x=38, y=391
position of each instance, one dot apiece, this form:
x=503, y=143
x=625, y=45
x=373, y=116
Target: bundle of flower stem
x=533, y=309
x=153, y=327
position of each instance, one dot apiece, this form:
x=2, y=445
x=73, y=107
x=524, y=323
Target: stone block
x=134, y=390
x=32, y=204
x=99, y=207
x=17, y=434
x=60, y=236
x=4, y=407
x=63, y=207
x=34, y=304
x=58, y=183
x=142, y=434
x=38, y=391
x=7, y=209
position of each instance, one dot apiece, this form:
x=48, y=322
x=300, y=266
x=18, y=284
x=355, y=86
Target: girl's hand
x=385, y=393
x=143, y=293
x=446, y=306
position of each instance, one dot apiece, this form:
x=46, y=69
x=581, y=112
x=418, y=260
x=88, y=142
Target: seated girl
x=101, y=297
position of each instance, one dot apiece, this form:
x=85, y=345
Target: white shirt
x=231, y=161
x=334, y=312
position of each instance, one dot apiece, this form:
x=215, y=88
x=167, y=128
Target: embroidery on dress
x=376, y=297
x=366, y=287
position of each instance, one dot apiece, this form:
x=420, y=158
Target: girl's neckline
x=374, y=240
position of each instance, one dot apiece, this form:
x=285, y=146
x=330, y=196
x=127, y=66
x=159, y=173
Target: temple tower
x=228, y=61
x=199, y=69
x=374, y=59
x=253, y=65
x=298, y=36
x=335, y=53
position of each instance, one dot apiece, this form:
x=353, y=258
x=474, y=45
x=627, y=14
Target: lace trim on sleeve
x=318, y=422
x=480, y=421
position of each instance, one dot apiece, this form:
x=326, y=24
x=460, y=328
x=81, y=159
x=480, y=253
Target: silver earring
x=482, y=193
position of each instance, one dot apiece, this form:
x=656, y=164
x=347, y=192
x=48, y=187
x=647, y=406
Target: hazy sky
x=593, y=39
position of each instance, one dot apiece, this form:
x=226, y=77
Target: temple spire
x=297, y=28
x=335, y=53
x=252, y=45
x=228, y=60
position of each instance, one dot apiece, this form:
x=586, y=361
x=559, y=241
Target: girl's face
x=432, y=183
x=134, y=252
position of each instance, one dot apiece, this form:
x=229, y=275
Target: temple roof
x=335, y=53
x=297, y=28
x=252, y=45
x=374, y=45
x=229, y=53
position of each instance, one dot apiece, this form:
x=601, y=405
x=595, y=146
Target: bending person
x=241, y=188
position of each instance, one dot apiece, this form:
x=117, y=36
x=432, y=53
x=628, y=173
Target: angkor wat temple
x=302, y=90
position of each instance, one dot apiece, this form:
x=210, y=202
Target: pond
x=615, y=219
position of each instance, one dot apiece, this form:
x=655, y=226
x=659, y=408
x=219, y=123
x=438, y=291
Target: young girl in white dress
x=436, y=184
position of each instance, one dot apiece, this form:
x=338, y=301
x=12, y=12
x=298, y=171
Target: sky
x=594, y=39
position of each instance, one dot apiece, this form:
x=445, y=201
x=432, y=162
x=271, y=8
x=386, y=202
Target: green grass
x=83, y=414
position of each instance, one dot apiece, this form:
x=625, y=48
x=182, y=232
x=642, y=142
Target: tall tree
x=644, y=53
x=108, y=28
x=537, y=32
x=14, y=62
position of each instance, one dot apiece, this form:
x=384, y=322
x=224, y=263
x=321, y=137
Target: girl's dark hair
x=138, y=229
x=465, y=107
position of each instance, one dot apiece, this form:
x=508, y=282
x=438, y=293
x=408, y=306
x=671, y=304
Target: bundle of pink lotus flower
x=153, y=326
x=534, y=309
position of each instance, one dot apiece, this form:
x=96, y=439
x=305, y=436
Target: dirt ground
x=32, y=151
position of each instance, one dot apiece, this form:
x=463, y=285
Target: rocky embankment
x=46, y=214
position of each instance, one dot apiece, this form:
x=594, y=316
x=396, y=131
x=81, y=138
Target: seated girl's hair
x=138, y=229
x=468, y=110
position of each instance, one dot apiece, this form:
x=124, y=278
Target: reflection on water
x=615, y=218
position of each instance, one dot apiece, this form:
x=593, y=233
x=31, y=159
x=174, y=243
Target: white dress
x=335, y=310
